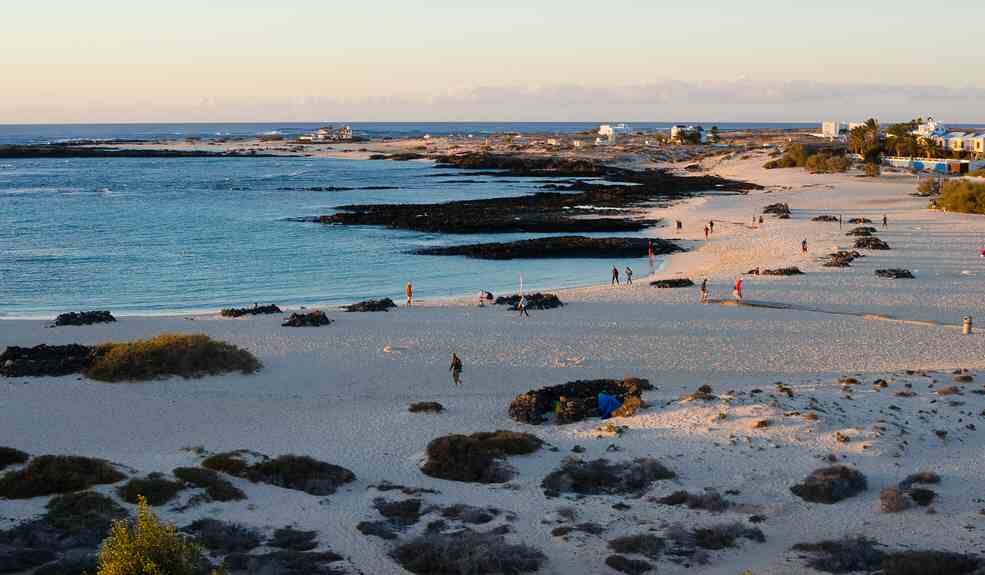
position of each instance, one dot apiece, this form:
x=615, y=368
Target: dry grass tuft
x=166, y=355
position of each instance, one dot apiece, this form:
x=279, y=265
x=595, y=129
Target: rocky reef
x=557, y=247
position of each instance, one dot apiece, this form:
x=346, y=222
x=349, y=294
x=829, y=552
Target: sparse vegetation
x=831, y=484
x=298, y=472
x=148, y=547
x=861, y=554
x=51, y=474
x=154, y=489
x=224, y=537
x=166, y=355
x=929, y=187
x=962, y=196
x=477, y=457
x=466, y=553
x=83, y=511
x=603, y=477
x=216, y=487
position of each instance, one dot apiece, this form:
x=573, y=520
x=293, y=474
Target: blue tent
x=608, y=404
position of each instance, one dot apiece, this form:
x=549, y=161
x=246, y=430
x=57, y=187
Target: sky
x=99, y=61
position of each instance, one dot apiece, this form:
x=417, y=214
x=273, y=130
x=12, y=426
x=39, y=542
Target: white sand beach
x=340, y=393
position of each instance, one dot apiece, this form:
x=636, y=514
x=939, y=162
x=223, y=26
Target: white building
x=679, y=133
x=831, y=129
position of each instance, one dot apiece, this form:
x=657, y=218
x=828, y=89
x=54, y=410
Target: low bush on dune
x=154, y=489
x=216, y=487
x=852, y=555
x=466, y=553
x=51, y=474
x=149, y=547
x=478, y=457
x=298, y=472
x=10, y=456
x=169, y=354
x=83, y=511
x=962, y=196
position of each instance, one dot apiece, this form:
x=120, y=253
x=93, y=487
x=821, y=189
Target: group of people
x=615, y=276
x=736, y=291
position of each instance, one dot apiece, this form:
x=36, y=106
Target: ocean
x=147, y=236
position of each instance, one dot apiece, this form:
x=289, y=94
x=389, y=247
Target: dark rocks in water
x=384, y=304
x=831, y=484
x=477, y=458
x=895, y=274
x=542, y=212
x=534, y=301
x=297, y=472
x=282, y=562
x=673, y=283
x=862, y=231
x=310, y=319
x=45, y=360
x=871, y=243
x=399, y=157
x=825, y=218
x=573, y=401
x=255, y=310
x=860, y=221
x=22, y=151
x=601, y=477
x=10, y=456
x=224, y=537
x=84, y=318
x=557, y=247
x=294, y=539
x=426, y=407
x=788, y=271
x=840, y=259
x=780, y=210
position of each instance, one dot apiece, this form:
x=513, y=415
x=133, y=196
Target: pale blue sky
x=109, y=60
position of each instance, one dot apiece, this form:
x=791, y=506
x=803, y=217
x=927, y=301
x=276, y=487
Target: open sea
x=156, y=236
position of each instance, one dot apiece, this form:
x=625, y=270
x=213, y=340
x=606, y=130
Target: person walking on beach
x=841, y=222
x=737, y=292
x=456, y=369
x=711, y=225
x=803, y=247
x=704, y=290
x=885, y=221
x=706, y=232
x=680, y=225
x=522, y=306
x=615, y=276
x=649, y=257
x=760, y=220
x=410, y=294
x=629, y=276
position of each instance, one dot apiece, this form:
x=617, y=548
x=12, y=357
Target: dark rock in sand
x=384, y=304
x=45, y=360
x=780, y=210
x=840, y=259
x=297, y=472
x=871, y=243
x=557, y=247
x=831, y=484
x=825, y=218
x=426, y=407
x=601, y=477
x=624, y=564
x=294, y=539
x=790, y=271
x=403, y=513
x=860, y=221
x=84, y=318
x=895, y=274
x=255, y=310
x=469, y=513
x=673, y=283
x=863, y=231
x=534, y=301
x=573, y=401
x=311, y=319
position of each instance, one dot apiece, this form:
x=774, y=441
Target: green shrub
x=477, y=457
x=83, y=511
x=298, y=472
x=466, y=553
x=148, y=547
x=217, y=488
x=50, y=474
x=155, y=489
x=10, y=456
x=962, y=196
x=169, y=354
x=929, y=187
x=871, y=169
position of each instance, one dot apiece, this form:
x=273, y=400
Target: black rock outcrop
x=384, y=304
x=84, y=318
x=534, y=301
x=255, y=310
x=557, y=247
x=673, y=283
x=45, y=360
x=895, y=274
x=311, y=319
x=573, y=401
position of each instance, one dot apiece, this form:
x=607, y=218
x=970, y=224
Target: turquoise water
x=153, y=236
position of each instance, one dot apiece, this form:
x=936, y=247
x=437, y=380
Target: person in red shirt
x=738, y=288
